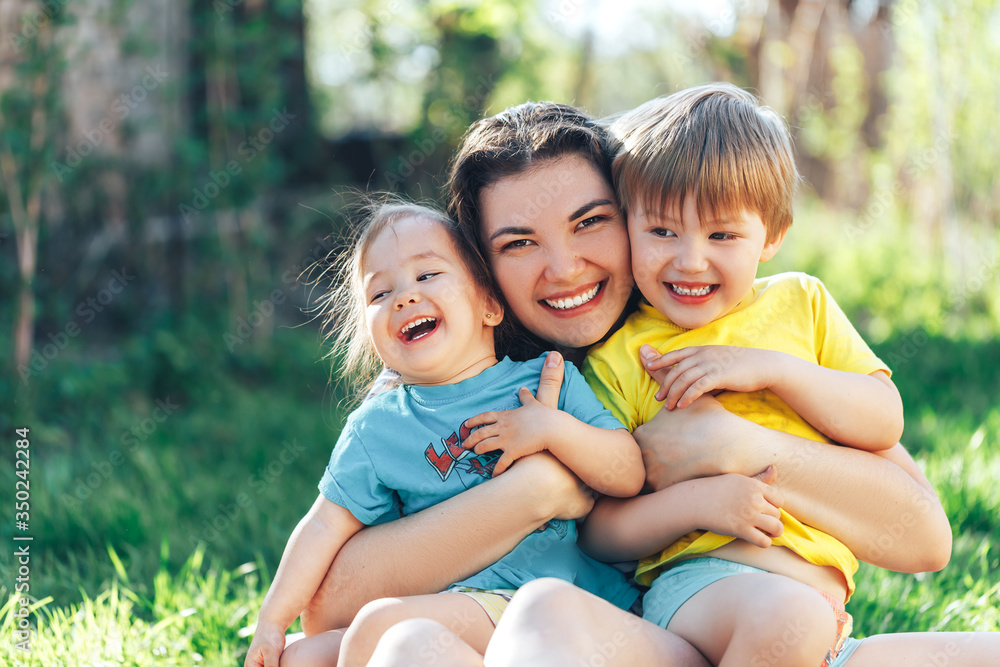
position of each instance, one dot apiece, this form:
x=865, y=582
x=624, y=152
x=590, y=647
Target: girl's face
x=427, y=319
x=559, y=250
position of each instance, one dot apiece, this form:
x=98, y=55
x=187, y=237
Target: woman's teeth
x=684, y=291
x=579, y=300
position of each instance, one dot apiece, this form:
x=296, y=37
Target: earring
x=489, y=315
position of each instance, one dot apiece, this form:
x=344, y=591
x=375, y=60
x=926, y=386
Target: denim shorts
x=681, y=582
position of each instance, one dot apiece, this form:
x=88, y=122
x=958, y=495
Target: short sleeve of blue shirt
x=352, y=482
x=579, y=400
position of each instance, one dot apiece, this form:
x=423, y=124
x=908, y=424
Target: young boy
x=706, y=177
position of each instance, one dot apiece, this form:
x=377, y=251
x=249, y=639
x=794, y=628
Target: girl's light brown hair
x=342, y=308
x=715, y=142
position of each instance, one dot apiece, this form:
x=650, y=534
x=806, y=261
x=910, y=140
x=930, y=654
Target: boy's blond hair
x=715, y=142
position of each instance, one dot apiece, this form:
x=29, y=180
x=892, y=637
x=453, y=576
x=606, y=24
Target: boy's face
x=694, y=271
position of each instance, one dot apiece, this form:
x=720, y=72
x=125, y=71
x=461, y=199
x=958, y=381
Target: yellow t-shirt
x=791, y=313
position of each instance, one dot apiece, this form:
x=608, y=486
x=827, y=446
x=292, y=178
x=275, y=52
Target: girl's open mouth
x=418, y=329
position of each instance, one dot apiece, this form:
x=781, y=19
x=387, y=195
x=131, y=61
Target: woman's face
x=559, y=249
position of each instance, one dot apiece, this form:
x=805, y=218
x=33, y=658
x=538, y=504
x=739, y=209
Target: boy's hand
x=688, y=373
x=743, y=507
x=519, y=432
x=266, y=647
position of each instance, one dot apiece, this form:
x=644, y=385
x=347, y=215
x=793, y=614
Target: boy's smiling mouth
x=685, y=290
x=575, y=301
x=418, y=328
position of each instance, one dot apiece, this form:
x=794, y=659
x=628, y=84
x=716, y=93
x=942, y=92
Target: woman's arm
x=426, y=552
x=879, y=505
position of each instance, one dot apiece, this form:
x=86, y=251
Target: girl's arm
x=312, y=546
x=627, y=529
x=862, y=411
x=607, y=460
x=879, y=505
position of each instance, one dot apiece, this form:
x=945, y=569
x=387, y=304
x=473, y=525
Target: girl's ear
x=494, y=313
x=772, y=246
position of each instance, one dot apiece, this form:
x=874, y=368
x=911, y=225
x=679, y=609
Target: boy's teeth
x=579, y=300
x=415, y=323
x=684, y=291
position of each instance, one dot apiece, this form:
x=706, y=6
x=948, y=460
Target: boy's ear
x=772, y=246
x=494, y=313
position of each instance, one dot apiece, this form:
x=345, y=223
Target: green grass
x=209, y=480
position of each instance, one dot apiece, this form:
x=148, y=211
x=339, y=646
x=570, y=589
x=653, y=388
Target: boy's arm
x=627, y=529
x=862, y=411
x=607, y=460
x=880, y=506
x=311, y=548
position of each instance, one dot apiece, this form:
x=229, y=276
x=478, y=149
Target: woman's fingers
x=550, y=382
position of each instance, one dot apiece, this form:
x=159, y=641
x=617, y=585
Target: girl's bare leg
x=928, y=649
x=317, y=651
x=423, y=642
x=459, y=614
x=551, y=622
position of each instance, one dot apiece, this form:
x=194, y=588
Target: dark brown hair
x=514, y=141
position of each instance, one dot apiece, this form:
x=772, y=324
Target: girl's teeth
x=684, y=291
x=579, y=300
x=415, y=323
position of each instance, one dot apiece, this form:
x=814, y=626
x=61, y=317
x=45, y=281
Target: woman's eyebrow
x=583, y=210
x=514, y=231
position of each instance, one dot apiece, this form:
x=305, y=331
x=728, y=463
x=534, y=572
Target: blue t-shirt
x=401, y=452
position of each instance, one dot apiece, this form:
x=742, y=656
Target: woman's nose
x=564, y=266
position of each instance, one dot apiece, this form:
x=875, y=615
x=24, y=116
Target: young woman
x=534, y=182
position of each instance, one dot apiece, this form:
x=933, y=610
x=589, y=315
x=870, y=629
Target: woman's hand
x=700, y=441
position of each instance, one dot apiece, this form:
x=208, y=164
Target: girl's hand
x=743, y=507
x=519, y=432
x=688, y=373
x=266, y=647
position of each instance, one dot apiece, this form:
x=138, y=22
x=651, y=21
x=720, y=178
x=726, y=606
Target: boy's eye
x=427, y=276
x=722, y=236
x=662, y=232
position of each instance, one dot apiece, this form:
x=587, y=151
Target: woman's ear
x=494, y=313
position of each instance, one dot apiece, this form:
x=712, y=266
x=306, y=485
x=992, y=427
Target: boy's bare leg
x=757, y=619
x=317, y=651
x=938, y=649
x=551, y=622
x=423, y=642
x=458, y=613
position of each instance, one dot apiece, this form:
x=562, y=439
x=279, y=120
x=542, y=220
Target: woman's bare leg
x=928, y=649
x=551, y=622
